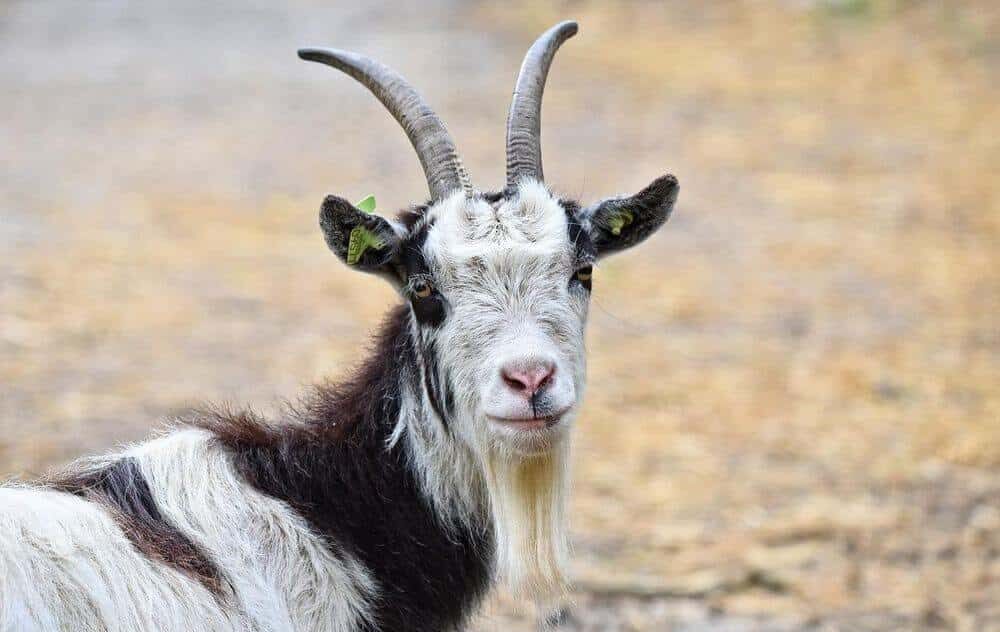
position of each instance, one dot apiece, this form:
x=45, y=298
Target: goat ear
x=619, y=223
x=362, y=240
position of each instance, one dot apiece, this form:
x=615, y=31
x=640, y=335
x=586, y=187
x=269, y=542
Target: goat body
x=390, y=501
x=232, y=524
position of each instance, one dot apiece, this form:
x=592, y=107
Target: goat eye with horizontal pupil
x=422, y=289
x=584, y=274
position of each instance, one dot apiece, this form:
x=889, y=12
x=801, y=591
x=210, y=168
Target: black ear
x=362, y=240
x=619, y=223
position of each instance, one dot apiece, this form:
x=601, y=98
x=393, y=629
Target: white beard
x=527, y=497
x=522, y=495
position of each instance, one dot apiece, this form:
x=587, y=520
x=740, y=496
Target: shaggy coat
x=234, y=524
x=392, y=500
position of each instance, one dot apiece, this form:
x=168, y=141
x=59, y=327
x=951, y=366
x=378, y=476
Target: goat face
x=498, y=283
x=515, y=337
x=498, y=286
x=507, y=315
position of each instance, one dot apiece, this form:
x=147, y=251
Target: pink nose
x=528, y=377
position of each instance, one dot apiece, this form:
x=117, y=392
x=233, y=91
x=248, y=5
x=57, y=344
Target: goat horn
x=427, y=133
x=524, y=121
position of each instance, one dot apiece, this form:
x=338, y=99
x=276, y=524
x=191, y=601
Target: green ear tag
x=620, y=221
x=367, y=205
x=361, y=238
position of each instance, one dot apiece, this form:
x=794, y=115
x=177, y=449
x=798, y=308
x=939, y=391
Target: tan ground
x=793, y=419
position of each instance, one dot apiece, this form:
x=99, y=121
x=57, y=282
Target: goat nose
x=528, y=378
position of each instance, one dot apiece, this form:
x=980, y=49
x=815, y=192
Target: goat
x=395, y=499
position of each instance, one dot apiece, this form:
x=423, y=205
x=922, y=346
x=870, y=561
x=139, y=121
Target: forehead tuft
x=533, y=219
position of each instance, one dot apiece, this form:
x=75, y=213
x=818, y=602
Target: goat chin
x=527, y=500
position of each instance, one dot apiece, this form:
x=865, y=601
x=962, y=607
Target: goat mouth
x=529, y=423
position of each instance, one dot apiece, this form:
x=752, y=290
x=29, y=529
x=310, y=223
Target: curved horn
x=524, y=121
x=432, y=142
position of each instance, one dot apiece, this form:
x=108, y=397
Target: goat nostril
x=545, y=380
x=528, y=381
x=514, y=383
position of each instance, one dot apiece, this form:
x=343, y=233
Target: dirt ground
x=793, y=418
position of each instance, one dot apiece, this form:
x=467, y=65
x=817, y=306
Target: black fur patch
x=409, y=217
x=432, y=382
x=449, y=395
x=123, y=490
x=585, y=250
x=335, y=469
x=429, y=310
x=493, y=197
x=411, y=253
x=586, y=253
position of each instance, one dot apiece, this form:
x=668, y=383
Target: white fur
x=505, y=272
x=65, y=564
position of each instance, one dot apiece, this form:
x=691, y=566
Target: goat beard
x=527, y=500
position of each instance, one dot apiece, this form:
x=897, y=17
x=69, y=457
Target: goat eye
x=422, y=289
x=583, y=276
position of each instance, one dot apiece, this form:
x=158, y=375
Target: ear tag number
x=620, y=221
x=361, y=238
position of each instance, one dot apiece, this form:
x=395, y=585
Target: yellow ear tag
x=361, y=238
x=619, y=221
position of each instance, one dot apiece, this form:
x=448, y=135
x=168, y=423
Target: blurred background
x=793, y=418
